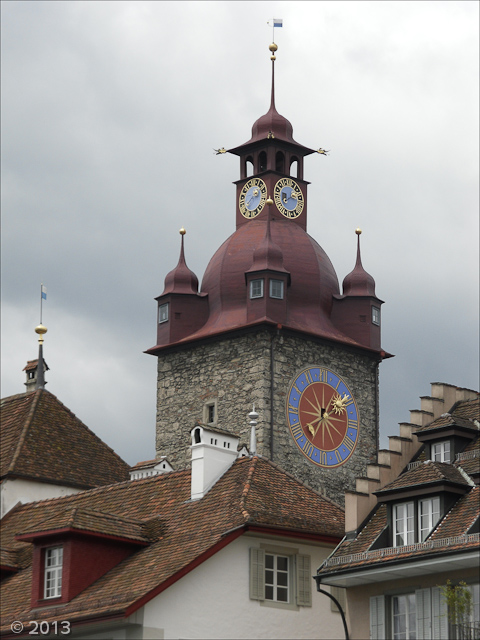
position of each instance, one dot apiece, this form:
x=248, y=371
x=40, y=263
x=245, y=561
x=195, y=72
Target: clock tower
x=270, y=326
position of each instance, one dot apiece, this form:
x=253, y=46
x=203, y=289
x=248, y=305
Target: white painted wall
x=14, y=490
x=212, y=601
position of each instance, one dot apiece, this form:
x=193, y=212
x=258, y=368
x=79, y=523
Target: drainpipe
x=338, y=605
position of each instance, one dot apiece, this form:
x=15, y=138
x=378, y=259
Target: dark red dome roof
x=309, y=296
x=358, y=282
x=181, y=279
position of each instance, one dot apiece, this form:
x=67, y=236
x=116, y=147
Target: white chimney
x=213, y=452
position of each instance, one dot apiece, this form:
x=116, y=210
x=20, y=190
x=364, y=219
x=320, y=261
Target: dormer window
x=276, y=289
x=53, y=572
x=440, y=451
x=163, y=313
x=413, y=521
x=256, y=288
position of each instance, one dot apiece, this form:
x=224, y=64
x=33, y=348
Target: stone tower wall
x=235, y=372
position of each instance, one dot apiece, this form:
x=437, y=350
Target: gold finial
x=182, y=231
x=269, y=201
x=273, y=47
x=41, y=330
x=358, y=231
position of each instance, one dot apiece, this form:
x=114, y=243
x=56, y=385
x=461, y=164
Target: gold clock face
x=252, y=197
x=288, y=198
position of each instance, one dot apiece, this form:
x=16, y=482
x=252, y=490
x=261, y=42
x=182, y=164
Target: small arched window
x=294, y=167
x=280, y=162
x=249, y=167
x=262, y=161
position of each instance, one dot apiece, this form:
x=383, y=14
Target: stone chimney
x=213, y=452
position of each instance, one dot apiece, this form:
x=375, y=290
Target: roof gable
x=43, y=440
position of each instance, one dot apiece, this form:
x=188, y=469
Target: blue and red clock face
x=323, y=417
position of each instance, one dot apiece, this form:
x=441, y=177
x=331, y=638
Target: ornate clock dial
x=323, y=417
x=288, y=198
x=252, y=198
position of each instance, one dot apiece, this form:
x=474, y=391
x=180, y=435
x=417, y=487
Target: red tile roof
x=43, y=440
x=252, y=494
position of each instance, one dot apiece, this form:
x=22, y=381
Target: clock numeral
x=323, y=375
x=296, y=389
x=308, y=376
x=353, y=423
x=323, y=458
x=349, y=443
x=296, y=430
x=338, y=456
x=308, y=448
x=292, y=409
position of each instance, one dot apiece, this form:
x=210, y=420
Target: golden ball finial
x=273, y=47
x=40, y=329
x=269, y=201
x=358, y=231
x=182, y=231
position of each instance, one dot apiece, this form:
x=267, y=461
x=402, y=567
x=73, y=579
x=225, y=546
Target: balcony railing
x=469, y=631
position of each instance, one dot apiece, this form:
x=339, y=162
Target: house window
x=403, y=524
x=376, y=316
x=276, y=289
x=53, y=572
x=210, y=412
x=280, y=577
x=404, y=617
x=413, y=522
x=428, y=516
x=256, y=288
x=163, y=313
x=276, y=577
x=410, y=616
x=440, y=451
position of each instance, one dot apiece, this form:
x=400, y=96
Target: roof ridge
x=246, y=488
x=275, y=465
x=105, y=487
x=28, y=421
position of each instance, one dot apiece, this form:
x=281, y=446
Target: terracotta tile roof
x=252, y=493
x=428, y=472
x=461, y=517
x=88, y=521
x=43, y=440
x=462, y=414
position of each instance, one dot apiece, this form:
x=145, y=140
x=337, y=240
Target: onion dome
x=358, y=282
x=313, y=278
x=268, y=256
x=181, y=279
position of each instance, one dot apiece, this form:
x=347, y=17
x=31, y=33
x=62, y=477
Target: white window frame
x=440, y=451
x=376, y=316
x=403, y=519
x=428, y=516
x=279, y=285
x=256, y=288
x=53, y=572
x=163, y=313
x=277, y=578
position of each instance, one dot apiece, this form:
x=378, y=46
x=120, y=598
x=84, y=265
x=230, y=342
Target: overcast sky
x=110, y=113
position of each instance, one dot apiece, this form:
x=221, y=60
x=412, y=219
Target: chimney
x=213, y=452
x=31, y=373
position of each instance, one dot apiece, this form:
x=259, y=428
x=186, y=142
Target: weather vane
x=275, y=22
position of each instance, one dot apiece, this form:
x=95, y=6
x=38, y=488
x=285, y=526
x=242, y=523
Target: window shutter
x=377, y=618
x=440, y=615
x=424, y=614
x=257, y=574
x=304, y=581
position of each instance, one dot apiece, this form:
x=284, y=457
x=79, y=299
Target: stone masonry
x=234, y=371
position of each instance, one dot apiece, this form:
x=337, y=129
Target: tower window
x=276, y=289
x=262, y=161
x=53, y=572
x=256, y=288
x=280, y=162
x=163, y=313
x=376, y=316
x=210, y=412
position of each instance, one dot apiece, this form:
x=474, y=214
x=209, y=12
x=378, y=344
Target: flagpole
x=41, y=301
